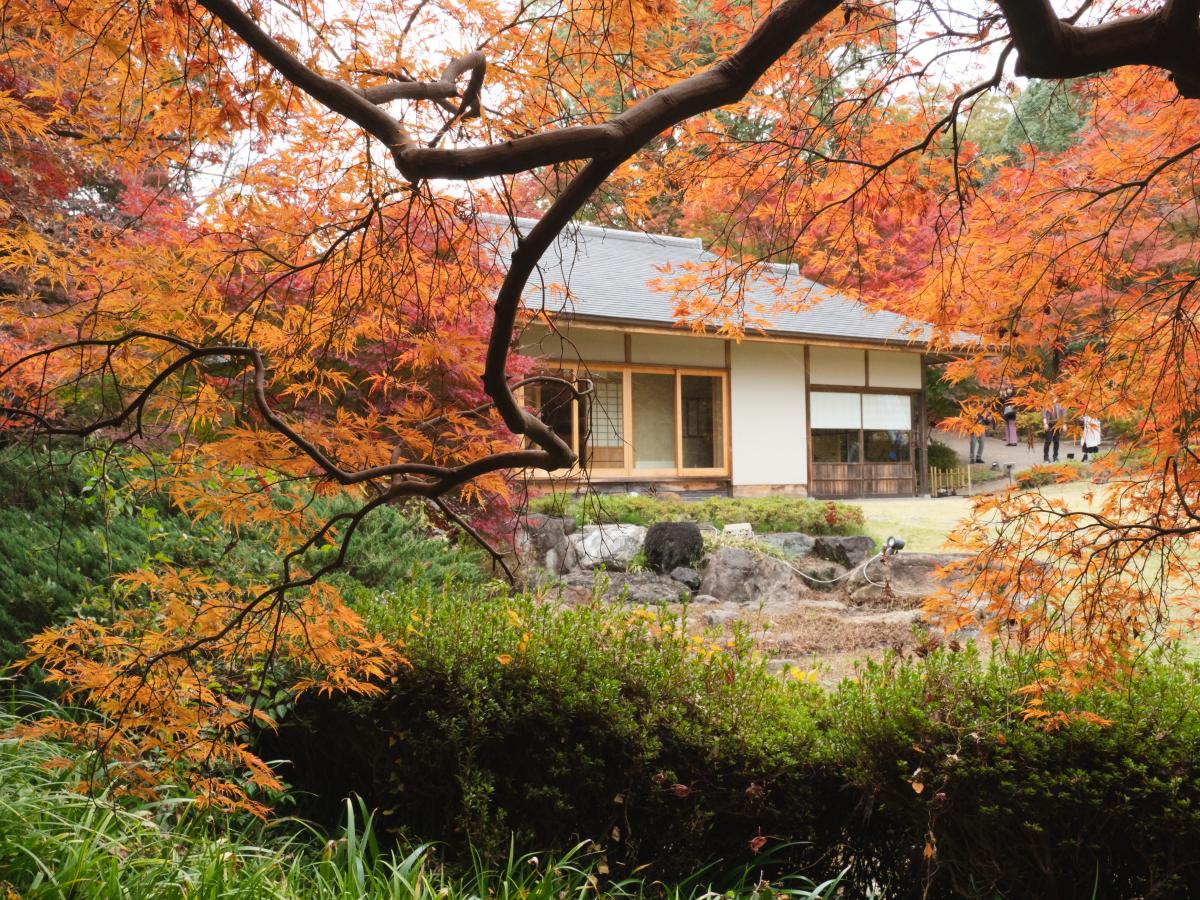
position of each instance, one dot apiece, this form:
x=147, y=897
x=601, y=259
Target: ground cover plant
x=765, y=514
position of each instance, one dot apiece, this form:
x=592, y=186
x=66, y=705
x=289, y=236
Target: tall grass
x=56, y=842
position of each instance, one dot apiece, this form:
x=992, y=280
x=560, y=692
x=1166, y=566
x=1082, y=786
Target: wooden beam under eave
x=756, y=338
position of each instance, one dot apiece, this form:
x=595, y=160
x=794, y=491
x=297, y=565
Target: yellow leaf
x=918, y=786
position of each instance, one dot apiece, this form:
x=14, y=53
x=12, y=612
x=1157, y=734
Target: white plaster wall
x=892, y=368
x=678, y=350
x=573, y=344
x=838, y=365
x=769, y=434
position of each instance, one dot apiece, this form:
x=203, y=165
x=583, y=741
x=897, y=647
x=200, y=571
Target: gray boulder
x=721, y=616
x=607, y=546
x=546, y=539
x=643, y=588
x=848, y=551
x=792, y=543
x=903, y=580
x=823, y=574
x=686, y=575
x=670, y=545
x=736, y=575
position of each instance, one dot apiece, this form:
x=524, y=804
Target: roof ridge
x=619, y=234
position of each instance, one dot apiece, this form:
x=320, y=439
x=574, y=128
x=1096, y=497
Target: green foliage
x=559, y=726
x=943, y=456
x=945, y=761
x=57, y=843
x=393, y=547
x=943, y=397
x=597, y=723
x=1048, y=115
x=69, y=523
x=766, y=514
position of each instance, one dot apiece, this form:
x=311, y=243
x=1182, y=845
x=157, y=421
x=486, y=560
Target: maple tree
x=282, y=299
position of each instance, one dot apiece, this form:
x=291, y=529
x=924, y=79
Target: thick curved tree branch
x=725, y=82
x=1050, y=47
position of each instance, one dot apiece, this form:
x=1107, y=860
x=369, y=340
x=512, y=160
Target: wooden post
x=923, y=486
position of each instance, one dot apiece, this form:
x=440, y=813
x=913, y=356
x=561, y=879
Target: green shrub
x=1049, y=473
x=765, y=514
x=923, y=777
x=66, y=527
x=394, y=547
x=945, y=764
x=517, y=721
x=69, y=523
x=943, y=456
x=55, y=842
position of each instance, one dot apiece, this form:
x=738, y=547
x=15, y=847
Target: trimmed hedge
x=551, y=728
x=519, y=722
x=58, y=843
x=766, y=514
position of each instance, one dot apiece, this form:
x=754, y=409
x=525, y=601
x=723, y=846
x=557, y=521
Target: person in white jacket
x=1091, y=437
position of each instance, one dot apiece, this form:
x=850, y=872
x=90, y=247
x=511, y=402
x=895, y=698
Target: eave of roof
x=605, y=277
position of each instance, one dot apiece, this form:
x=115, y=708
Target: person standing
x=978, y=435
x=1091, y=436
x=1052, y=418
x=1009, y=414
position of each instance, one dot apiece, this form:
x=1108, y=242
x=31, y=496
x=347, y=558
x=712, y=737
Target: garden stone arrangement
x=807, y=595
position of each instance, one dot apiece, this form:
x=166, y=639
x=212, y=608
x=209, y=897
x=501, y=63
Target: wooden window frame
x=627, y=371
x=916, y=398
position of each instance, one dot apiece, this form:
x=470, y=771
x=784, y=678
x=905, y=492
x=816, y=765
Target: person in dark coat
x=1052, y=421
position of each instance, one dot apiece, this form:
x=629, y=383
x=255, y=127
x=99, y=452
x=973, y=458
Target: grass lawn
x=924, y=523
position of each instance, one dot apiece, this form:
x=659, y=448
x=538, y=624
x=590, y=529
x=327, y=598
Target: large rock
x=846, y=551
x=734, y=574
x=546, y=539
x=643, y=588
x=607, y=546
x=721, y=616
x=673, y=545
x=791, y=543
x=686, y=575
x=900, y=581
x=823, y=575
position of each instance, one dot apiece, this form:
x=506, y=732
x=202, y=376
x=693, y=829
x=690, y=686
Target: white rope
x=862, y=565
x=867, y=577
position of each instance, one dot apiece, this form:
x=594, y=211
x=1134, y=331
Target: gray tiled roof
x=607, y=275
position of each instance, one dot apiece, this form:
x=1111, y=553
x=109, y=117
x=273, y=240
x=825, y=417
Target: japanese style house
x=826, y=401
